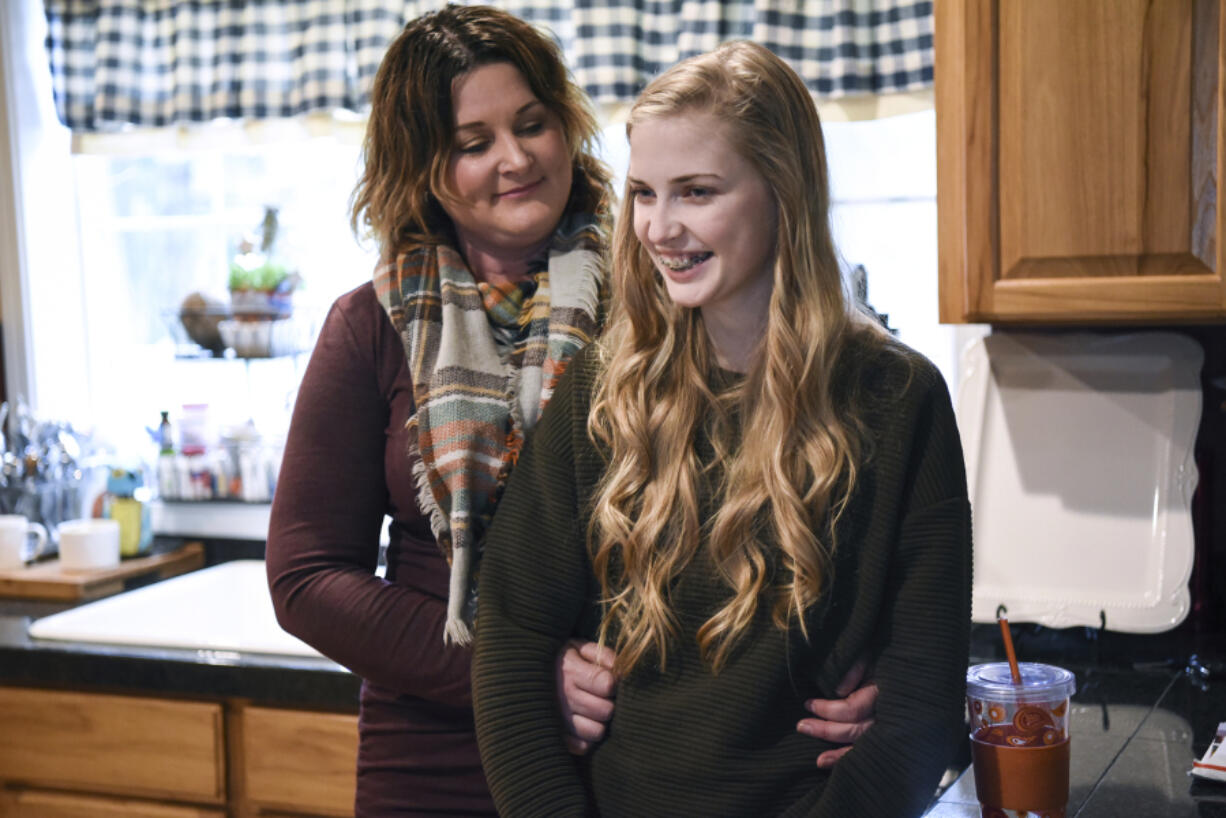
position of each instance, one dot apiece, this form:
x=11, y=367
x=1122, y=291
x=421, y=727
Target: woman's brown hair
x=410, y=133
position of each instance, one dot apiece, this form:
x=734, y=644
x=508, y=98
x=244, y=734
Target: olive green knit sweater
x=687, y=742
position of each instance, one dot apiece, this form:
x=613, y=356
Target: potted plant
x=261, y=285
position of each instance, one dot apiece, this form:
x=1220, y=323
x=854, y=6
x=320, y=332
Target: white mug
x=89, y=544
x=15, y=531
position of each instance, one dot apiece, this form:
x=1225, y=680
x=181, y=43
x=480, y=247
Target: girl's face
x=510, y=168
x=705, y=215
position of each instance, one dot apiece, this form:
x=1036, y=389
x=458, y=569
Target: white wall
x=883, y=185
x=884, y=214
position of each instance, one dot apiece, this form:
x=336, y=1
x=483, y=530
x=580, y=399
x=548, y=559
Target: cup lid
x=1039, y=682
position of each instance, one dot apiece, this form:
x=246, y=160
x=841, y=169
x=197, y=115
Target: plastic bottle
x=124, y=503
x=166, y=440
x=168, y=484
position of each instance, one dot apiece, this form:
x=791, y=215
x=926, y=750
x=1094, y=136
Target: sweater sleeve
x=920, y=670
x=534, y=576
x=331, y=497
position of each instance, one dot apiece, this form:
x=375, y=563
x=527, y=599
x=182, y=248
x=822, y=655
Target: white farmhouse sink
x=224, y=608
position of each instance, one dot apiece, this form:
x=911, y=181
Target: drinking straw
x=1014, y=670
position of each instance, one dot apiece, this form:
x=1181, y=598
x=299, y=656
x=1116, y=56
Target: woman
x=741, y=487
x=481, y=189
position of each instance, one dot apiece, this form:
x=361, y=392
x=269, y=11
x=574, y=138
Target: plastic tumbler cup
x=1019, y=739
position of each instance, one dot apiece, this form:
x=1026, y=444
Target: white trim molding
x=40, y=263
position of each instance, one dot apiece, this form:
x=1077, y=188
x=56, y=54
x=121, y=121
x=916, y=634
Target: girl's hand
x=842, y=720
x=586, y=686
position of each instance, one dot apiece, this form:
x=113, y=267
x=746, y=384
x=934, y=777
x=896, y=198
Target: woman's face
x=510, y=171
x=705, y=215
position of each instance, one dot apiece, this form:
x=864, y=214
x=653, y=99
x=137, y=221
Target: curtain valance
x=148, y=63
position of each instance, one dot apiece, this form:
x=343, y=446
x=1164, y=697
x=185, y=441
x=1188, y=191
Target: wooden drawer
x=41, y=804
x=299, y=761
x=112, y=744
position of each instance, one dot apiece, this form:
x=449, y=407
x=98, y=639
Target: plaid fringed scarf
x=484, y=361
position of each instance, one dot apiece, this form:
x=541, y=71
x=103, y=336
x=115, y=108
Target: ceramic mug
x=15, y=532
x=89, y=544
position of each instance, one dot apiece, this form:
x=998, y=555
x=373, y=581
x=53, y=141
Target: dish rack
x=244, y=335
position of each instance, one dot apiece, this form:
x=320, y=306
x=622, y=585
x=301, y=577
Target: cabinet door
x=1077, y=153
x=128, y=745
x=40, y=804
x=297, y=761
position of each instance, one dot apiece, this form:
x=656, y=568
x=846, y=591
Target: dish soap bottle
x=125, y=503
x=167, y=474
x=165, y=435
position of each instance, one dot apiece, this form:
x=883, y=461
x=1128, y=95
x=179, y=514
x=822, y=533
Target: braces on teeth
x=677, y=264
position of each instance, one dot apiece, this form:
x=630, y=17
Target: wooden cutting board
x=48, y=581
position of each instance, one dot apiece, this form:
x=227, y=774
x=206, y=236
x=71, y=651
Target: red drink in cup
x=1019, y=739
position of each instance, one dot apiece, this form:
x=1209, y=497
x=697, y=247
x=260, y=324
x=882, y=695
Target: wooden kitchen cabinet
x=67, y=754
x=125, y=745
x=299, y=762
x=1078, y=148
x=43, y=804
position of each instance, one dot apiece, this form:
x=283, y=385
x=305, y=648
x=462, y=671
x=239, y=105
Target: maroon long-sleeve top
x=347, y=463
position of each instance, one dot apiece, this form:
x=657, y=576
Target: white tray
x=1080, y=470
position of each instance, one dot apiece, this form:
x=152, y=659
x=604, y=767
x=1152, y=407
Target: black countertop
x=1141, y=715
x=285, y=681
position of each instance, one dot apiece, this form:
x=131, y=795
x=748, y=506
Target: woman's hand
x=586, y=686
x=845, y=719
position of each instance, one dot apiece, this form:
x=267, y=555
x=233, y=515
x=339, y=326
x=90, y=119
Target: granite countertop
x=1141, y=714
x=286, y=681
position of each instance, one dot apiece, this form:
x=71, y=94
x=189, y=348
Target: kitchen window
x=156, y=227
x=101, y=241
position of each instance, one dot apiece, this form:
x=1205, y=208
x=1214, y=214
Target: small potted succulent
x=261, y=285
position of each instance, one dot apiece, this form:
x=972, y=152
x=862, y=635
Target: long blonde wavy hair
x=788, y=467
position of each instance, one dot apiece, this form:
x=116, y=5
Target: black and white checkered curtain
x=118, y=63
x=840, y=47
x=165, y=62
